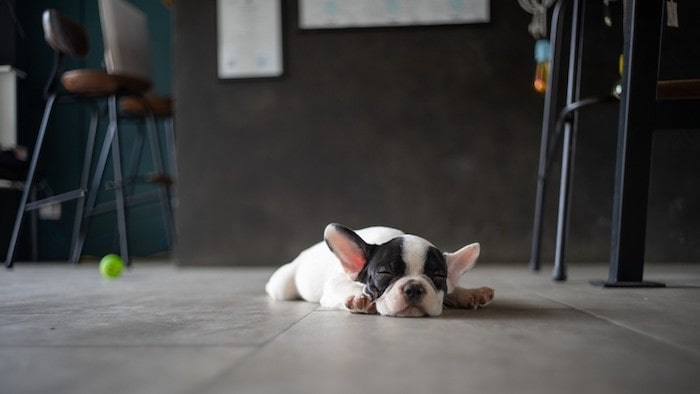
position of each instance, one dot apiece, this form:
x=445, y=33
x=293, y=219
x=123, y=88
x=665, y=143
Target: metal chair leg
x=157, y=158
x=9, y=260
x=573, y=93
x=129, y=183
x=84, y=178
x=170, y=143
x=539, y=203
x=169, y=126
x=119, y=182
x=567, y=168
x=34, y=215
x=551, y=101
x=132, y=168
x=94, y=190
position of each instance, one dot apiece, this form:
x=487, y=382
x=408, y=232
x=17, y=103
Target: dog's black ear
x=350, y=249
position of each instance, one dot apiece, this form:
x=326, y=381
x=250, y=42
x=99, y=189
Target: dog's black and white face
x=406, y=276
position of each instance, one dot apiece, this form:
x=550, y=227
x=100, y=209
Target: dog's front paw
x=469, y=298
x=360, y=303
x=484, y=295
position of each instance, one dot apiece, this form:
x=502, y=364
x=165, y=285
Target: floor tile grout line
x=675, y=345
x=131, y=346
x=257, y=349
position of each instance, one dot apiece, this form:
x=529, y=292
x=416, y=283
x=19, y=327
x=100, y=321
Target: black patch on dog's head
x=385, y=266
x=435, y=268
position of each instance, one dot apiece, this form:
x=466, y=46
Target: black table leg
x=642, y=31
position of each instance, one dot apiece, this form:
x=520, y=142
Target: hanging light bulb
x=542, y=65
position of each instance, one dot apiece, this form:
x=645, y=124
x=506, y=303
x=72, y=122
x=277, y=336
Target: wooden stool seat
x=682, y=89
x=135, y=106
x=132, y=85
x=99, y=83
x=90, y=82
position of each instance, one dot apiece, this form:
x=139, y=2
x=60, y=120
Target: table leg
x=642, y=31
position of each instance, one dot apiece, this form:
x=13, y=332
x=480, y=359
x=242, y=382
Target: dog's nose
x=413, y=292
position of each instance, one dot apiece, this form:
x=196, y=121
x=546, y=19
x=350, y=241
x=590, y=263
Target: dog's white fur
x=317, y=269
x=317, y=275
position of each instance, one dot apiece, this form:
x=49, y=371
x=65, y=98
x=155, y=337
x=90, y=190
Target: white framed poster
x=329, y=14
x=249, y=38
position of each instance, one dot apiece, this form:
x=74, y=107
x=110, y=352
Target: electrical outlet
x=50, y=212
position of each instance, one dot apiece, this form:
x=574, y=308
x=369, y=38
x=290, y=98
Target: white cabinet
x=8, y=105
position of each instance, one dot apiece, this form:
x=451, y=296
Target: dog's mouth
x=411, y=311
x=404, y=300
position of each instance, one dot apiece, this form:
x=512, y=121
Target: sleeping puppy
x=379, y=270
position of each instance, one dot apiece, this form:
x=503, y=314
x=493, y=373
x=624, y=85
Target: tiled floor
x=160, y=329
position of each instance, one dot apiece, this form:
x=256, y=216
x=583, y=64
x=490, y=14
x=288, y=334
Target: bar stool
x=147, y=109
x=92, y=88
x=125, y=34
x=656, y=105
x=560, y=122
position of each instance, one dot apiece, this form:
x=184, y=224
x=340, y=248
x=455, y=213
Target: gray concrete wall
x=434, y=130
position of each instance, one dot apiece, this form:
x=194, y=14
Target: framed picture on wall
x=330, y=14
x=249, y=38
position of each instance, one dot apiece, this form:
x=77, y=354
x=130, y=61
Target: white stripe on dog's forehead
x=414, y=250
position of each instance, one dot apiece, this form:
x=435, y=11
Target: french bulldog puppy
x=379, y=270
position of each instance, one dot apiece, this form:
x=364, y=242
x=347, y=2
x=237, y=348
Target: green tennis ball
x=111, y=266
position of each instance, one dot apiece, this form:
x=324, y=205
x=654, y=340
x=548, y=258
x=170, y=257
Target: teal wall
x=64, y=147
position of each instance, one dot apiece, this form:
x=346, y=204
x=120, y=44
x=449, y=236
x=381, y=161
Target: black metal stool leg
x=132, y=171
x=535, y=260
x=170, y=143
x=573, y=90
x=34, y=217
x=157, y=158
x=84, y=178
x=567, y=168
x=119, y=182
x=94, y=190
x=566, y=122
x=539, y=202
x=133, y=165
x=551, y=102
x=168, y=124
x=9, y=260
